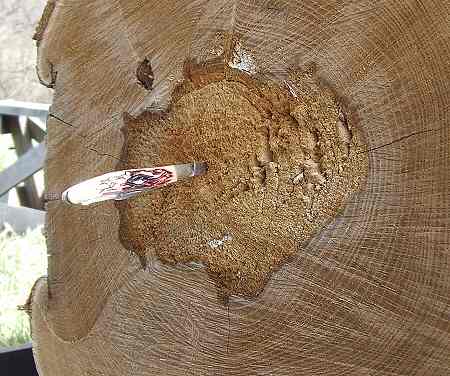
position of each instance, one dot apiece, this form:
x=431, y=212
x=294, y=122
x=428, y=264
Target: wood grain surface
x=369, y=295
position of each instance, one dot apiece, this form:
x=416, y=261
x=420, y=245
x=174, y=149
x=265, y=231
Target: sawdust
x=282, y=162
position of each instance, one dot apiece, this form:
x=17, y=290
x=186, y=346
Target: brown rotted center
x=280, y=166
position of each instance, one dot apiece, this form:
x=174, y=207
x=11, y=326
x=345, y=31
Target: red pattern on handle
x=136, y=181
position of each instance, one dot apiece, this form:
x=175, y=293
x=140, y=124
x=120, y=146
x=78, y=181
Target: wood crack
x=399, y=140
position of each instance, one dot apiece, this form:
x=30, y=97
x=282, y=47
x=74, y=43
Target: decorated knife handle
x=120, y=185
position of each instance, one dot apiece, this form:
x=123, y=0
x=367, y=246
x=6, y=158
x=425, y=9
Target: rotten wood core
x=282, y=162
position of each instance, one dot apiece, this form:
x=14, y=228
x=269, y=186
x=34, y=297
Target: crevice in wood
x=399, y=140
x=144, y=74
x=53, y=73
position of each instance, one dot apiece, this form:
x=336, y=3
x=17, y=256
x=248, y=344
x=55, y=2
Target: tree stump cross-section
x=368, y=294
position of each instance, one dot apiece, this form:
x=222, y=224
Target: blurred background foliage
x=23, y=258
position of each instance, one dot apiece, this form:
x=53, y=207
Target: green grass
x=23, y=259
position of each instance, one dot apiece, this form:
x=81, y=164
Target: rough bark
x=368, y=295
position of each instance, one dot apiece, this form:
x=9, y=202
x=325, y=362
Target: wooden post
x=28, y=195
x=20, y=218
x=27, y=165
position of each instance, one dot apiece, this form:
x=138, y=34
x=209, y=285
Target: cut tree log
x=367, y=294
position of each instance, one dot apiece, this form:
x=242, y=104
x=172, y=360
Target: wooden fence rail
x=26, y=122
